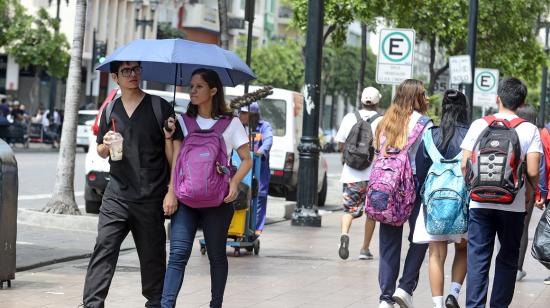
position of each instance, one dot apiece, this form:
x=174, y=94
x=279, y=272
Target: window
x=272, y=111
x=83, y=118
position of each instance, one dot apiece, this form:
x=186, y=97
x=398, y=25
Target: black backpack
x=358, y=148
x=496, y=171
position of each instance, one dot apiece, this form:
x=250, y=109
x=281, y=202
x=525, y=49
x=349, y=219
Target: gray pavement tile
x=297, y=267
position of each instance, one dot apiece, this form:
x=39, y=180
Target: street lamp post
x=153, y=4
x=306, y=213
x=544, y=82
x=472, y=37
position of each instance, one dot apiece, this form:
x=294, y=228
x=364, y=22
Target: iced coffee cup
x=116, y=147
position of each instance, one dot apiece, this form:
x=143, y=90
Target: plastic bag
x=541, y=242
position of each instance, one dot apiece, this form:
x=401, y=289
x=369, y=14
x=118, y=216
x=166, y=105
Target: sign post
x=395, y=56
x=485, y=87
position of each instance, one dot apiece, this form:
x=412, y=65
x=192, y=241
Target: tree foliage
x=12, y=20
x=279, y=64
x=35, y=42
x=506, y=36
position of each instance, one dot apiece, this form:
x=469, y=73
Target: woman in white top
x=207, y=107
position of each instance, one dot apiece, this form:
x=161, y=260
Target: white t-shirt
x=529, y=139
x=234, y=135
x=350, y=175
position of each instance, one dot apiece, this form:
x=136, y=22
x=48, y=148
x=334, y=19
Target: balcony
x=201, y=16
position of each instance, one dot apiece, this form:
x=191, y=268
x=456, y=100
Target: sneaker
x=451, y=302
x=520, y=275
x=343, y=250
x=402, y=298
x=384, y=304
x=547, y=281
x=365, y=255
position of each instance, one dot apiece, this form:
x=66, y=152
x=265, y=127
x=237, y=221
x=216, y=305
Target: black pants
x=116, y=219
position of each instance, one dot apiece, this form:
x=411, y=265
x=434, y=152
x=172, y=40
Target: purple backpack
x=201, y=176
x=391, y=191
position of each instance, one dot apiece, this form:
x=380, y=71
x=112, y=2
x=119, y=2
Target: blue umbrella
x=172, y=61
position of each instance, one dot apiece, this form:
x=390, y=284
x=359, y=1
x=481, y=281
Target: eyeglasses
x=127, y=72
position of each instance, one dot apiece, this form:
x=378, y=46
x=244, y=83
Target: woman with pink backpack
x=204, y=184
x=393, y=190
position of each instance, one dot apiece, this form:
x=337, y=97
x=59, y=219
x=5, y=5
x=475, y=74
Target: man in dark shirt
x=133, y=199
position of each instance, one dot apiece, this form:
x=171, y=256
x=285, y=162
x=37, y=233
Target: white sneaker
x=520, y=275
x=384, y=304
x=402, y=298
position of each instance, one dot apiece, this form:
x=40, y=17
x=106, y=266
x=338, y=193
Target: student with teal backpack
x=444, y=214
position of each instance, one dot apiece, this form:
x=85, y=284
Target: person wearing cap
x=263, y=140
x=355, y=181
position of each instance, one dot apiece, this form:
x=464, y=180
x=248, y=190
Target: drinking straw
x=114, y=127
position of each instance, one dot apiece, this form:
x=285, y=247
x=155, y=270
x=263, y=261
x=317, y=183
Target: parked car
x=97, y=168
x=86, y=119
x=283, y=110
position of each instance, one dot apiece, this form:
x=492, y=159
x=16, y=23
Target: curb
x=57, y=221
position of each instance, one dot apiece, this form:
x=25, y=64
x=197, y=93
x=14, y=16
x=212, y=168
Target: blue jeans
x=215, y=223
x=483, y=224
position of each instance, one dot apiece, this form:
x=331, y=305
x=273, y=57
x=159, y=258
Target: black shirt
x=143, y=173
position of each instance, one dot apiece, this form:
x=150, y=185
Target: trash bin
x=8, y=213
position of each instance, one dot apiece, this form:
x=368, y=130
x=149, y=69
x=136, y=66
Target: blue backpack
x=444, y=193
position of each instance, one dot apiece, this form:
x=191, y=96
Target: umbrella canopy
x=172, y=61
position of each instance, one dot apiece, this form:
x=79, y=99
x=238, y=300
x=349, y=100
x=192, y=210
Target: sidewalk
x=297, y=267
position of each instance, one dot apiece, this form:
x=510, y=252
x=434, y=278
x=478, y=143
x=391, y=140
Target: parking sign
x=485, y=87
x=395, y=56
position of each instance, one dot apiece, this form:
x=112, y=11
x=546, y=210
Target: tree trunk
x=362, y=64
x=62, y=200
x=224, y=31
x=434, y=74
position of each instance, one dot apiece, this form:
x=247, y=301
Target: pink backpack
x=201, y=176
x=391, y=191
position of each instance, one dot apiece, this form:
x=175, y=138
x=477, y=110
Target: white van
x=283, y=110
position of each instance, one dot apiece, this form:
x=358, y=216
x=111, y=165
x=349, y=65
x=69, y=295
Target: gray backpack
x=358, y=148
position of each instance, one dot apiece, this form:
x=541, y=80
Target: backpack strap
x=374, y=117
x=358, y=116
x=430, y=146
x=222, y=124
x=109, y=110
x=190, y=123
x=417, y=130
x=516, y=122
x=157, y=110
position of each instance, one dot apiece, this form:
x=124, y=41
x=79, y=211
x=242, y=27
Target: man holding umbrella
x=263, y=140
x=135, y=196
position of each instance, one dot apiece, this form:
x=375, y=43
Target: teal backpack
x=444, y=193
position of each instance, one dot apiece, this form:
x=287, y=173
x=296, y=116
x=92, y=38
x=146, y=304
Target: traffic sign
x=460, y=69
x=485, y=87
x=395, y=56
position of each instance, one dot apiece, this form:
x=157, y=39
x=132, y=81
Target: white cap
x=370, y=96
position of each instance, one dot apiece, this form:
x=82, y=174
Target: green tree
x=36, y=43
x=278, y=64
x=12, y=20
